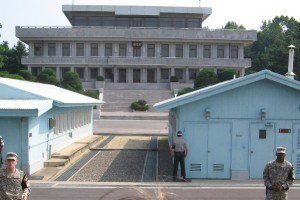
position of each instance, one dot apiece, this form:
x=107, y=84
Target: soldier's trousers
x=179, y=158
x=273, y=195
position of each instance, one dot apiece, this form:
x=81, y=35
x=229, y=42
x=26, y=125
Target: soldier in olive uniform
x=278, y=176
x=179, y=150
x=12, y=180
x=1, y=149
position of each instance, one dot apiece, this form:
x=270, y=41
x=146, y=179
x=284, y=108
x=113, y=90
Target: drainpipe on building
x=290, y=74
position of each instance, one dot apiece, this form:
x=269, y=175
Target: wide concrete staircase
x=120, y=100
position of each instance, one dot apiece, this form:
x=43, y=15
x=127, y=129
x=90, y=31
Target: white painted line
x=156, y=178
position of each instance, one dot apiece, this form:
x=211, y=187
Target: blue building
x=232, y=128
x=36, y=120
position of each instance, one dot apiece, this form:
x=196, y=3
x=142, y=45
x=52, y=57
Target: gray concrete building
x=141, y=46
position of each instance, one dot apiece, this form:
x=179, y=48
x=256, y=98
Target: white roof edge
x=121, y=9
x=167, y=104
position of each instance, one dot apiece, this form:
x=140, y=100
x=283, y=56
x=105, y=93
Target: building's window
x=179, y=50
x=51, y=49
x=38, y=49
x=80, y=72
x=94, y=21
x=150, y=50
x=164, y=50
x=79, y=49
x=123, y=49
x=108, y=21
x=64, y=70
x=192, y=74
x=109, y=74
x=179, y=74
x=94, y=49
x=151, y=22
x=108, y=49
x=193, y=51
x=234, y=51
x=93, y=73
x=165, y=22
x=206, y=51
x=220, y=51
x=262, y=134
x=179, y=23
x=137, y=22
x=36, y=70
x=123, y=21
x=194, y=23
x=137, y=51
x=165, y=74
x=66, y=49
x=80, y=21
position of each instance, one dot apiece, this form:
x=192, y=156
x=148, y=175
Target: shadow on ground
x=165, y=163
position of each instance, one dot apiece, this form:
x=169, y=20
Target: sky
x=249, y=13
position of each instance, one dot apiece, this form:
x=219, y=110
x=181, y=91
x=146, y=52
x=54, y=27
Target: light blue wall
x=242, y=106
x=42, y=138
x=13, y=131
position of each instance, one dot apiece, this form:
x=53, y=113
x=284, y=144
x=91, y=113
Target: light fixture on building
x=263, y=114
x=207, y=113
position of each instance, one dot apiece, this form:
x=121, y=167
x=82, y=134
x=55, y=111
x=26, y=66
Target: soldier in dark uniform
x=179, y=150
x=12, y=180
x=1, y=149
x=278, y=176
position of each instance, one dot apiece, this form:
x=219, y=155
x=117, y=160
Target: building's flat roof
x=137, y=10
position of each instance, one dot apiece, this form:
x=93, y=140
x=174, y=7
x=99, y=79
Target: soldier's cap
x=11, y=156
x=281, y=150
x=179, y=133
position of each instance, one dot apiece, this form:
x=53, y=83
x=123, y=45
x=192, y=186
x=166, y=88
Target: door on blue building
x=209, y=150
x=262, y=147
x=10, y=130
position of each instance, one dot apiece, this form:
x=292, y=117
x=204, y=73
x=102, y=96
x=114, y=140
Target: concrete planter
x=100, y=84
x=174, y=85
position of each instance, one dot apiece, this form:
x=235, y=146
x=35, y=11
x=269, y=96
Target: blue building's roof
x=225, y=86
x=61, y=97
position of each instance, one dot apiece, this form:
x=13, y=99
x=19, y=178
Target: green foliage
x=71, y=81
x=100, y=78
x=10, y=58
x=140, y=105
x=185, y=91
x=226, y=74
x=270, y=51
x=205, y=78
x=91, y=93
x=26, y=74
x=5, y=74
x=233, y=25
x=48, y=76
x=173, y=79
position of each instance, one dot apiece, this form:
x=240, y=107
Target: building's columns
x=43, y=68
x=186, y=50
x=144, y=75
x=241, y=51
x=31, y=49
x=29, y=68
x=72, y=69
x=100, y=72
x=158, y=75
x=116, y=77
x=187, y=77
x=242, y=72
x=200, y=51
x=115, y=49
x=58, y=49
x=130, y=75
x=214, y=51
x=85, y=74
x=144, y=49
x=226, y=51
x=45, y=51
x=58, y=77
x=158, y=50
x=101, y=49
x=172, y=50
x=172, y=71
x=87, y=49
x=216, y=70
x=72, y=49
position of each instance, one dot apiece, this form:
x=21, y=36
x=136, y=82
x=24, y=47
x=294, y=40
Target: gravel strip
x=165, y=163
x=109, y=166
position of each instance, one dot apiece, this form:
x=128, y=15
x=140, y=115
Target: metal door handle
x=251, y=151
x=208, y=151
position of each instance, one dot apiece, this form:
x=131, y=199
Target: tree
x=205, y=78
x=226, y=74
x=71, y=81
x=26, y=74
x=6, y=74
x=233, y=25
x=48, y=76
x=270, y=50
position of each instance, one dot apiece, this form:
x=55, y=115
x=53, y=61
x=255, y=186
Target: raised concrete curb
x=135, y=115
